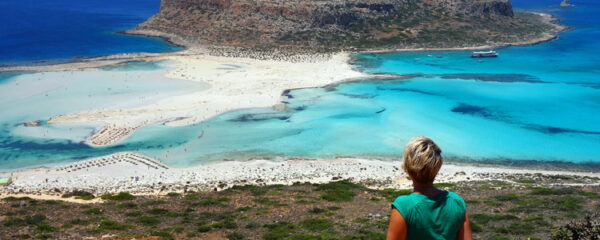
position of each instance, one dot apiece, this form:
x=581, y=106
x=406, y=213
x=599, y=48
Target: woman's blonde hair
x=422, y=159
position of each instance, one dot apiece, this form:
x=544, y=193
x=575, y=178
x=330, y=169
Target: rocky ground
x=528, y=206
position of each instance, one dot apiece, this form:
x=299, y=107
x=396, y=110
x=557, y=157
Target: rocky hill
x=333, y=24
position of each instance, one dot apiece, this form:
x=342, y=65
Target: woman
x=427, y=213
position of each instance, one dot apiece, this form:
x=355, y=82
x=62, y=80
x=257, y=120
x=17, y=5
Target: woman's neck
x=426, y=189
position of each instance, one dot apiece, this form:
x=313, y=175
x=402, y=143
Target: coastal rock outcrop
x=566, y=3
x=330, y=24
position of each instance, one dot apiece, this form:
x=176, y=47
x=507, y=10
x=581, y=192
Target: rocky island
x=336, y=25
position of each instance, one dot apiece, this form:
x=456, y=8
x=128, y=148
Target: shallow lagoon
x=39, y=96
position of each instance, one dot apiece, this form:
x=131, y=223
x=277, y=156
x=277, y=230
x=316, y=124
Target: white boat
x=482, y=54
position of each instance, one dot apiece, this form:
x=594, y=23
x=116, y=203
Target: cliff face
x=328, y=23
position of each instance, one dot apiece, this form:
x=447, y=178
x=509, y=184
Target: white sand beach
x=138, y=174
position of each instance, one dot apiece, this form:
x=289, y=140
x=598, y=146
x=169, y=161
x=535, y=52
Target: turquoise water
x=539, y=102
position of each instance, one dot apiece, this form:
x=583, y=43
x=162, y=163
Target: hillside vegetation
x=333, y=25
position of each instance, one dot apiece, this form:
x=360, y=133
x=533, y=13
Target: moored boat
x=482, y=54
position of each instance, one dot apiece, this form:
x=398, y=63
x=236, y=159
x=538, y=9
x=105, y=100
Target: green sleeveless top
x=440, y=217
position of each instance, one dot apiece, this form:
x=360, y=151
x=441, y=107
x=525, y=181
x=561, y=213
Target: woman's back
x=439, y=217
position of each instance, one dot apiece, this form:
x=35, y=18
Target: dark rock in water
x=471, y=110
x=260, y=117
x=558, y=130
x=494, y=77
x=300, y=108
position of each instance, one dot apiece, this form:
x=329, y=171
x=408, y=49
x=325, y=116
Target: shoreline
x=141, y=175
x=197, y=49
x=549, y=36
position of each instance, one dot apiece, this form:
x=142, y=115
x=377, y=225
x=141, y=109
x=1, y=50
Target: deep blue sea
x=538, y=103
x=60, y=30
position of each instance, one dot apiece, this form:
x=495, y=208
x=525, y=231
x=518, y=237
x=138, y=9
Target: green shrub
x=569, y=203
x=235, y=236
x=35, y=219
x=44, y=236
x=148, y=220
x=550, y=191
x=517, y=229
x=108, y=224
x=14, y=199
x=158, y=211
x=484, y=218
x=445, y=185
x=94, y=211
x=178, y=229
x=252, y=225
x=173, y=194
x=392, y=194
x=316, y=224
x=304, y=237
x=243, y=209
x=162, y=234
x=133, y=214
x=476, y=228
x=45, y=227
x=79, y=193
x=79, y=222
x=154, y=202
x=280, y=230
x=204, y=228
x=192, y=196
x=525, y=181
x=13, y=221
x=87, y=198
x=506, y=197
x=254, y=190
x=341, y=191
x=128, y=205
x=317, y=210
x=270, y=202
x=122, y=196
x=213, y=202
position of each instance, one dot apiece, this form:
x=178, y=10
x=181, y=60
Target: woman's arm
x=465, y=231
x=397, y=229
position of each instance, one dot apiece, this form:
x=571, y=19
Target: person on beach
x=428, y=212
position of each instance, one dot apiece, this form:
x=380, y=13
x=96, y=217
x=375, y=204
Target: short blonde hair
x=422, y=159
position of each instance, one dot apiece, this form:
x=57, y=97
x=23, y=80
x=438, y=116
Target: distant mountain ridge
x=332, y=24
